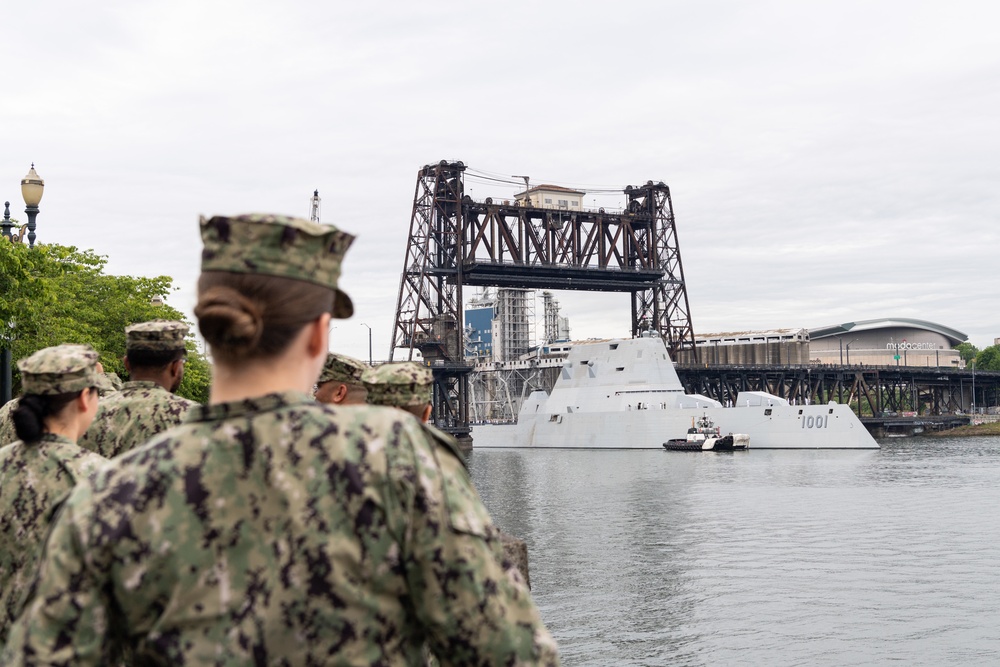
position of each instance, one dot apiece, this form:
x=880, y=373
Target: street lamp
x=32, y=187
x=974, y=386
x=369, y=344
x=849, y=350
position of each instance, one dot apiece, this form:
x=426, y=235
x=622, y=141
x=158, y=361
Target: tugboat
x=706, y=436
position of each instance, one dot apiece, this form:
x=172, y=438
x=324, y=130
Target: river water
x=770, y=557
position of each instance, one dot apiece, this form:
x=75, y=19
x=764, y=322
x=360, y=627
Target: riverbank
x=988, y=428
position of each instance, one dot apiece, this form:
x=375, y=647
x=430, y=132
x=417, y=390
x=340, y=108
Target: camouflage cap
x=399, y=384
x=156, y=335
x=278, y=245
x=342, y=368
x=115, y=381
x=62, y=369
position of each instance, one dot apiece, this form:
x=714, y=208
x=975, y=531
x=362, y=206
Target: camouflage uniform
x=116, y=384
x=401, y=384
x=36, y=476
x=342, y=368
x=7, y=434
x=141, y=409
x=277, y=530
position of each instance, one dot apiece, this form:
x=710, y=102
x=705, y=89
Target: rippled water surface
x=760, y=557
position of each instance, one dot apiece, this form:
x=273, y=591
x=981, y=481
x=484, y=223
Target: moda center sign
x=903, y=345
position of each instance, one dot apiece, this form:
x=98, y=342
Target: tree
x=53, y=294
x=967, y=351
x=988, y=359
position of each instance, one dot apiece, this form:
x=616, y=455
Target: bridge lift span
x=455, y=241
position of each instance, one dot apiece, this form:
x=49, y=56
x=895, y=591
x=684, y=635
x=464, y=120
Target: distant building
x=887, y=342
x=869, y=342
x=479, y=331
x=552, y=196
x=747, y=348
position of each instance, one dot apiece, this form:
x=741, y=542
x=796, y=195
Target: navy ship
x=625, y=394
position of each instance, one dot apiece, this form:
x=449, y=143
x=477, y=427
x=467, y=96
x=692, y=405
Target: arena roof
x=952, y=335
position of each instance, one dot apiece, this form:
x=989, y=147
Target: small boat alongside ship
x=705, y=436
x=625, y=394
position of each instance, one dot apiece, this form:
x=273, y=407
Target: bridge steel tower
x=455, y=241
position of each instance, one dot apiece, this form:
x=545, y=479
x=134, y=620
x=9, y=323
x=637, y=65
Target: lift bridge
x=455, y=241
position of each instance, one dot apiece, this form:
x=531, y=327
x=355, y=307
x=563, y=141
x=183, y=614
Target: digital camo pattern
x=277, y=245
x=279, y=531
x=342, y=368
x=156, y=335
x=7, y=433
x=399, y=384
x=130, y=417
x=33, y=479
x=61, y=369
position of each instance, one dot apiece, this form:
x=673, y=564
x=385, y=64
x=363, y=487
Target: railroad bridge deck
x=873, y=391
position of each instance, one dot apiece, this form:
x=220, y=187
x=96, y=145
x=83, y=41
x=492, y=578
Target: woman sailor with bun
x=270, y=529
x=60, y=397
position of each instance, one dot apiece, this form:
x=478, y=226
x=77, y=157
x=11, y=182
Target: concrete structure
x=748, y=348
x=887, y=342
x=552, y=196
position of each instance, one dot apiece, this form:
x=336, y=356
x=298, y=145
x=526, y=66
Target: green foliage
x=988, y=359
x=197, y=376
x=967, y=351
x=53, y=294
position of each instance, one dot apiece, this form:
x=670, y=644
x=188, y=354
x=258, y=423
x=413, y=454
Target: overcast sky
x=828, y=161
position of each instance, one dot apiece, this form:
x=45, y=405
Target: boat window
x=614, y=346
x=800, y=411
x=831, y=411
x=620, y=368
x=768, y=411
x=553, y=418
x=584, y=363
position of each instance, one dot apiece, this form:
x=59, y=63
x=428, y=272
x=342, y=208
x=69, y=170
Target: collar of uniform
x=52, y=438
x=140, y=384
x=248, y=407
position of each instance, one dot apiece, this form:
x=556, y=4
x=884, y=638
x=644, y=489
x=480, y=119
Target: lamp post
x=32, y=187
x=369, y=344
x=973, y=386
x=849, y=350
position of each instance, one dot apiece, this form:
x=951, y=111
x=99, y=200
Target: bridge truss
x=455, y=241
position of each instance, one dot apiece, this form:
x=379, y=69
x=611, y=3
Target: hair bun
x=227, y=318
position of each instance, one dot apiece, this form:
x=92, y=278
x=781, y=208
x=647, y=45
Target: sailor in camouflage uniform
x=271, y=529
x=37, y=471
x=7, y=434
x=340, y=382
x=409, y=386
x=146, y=404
